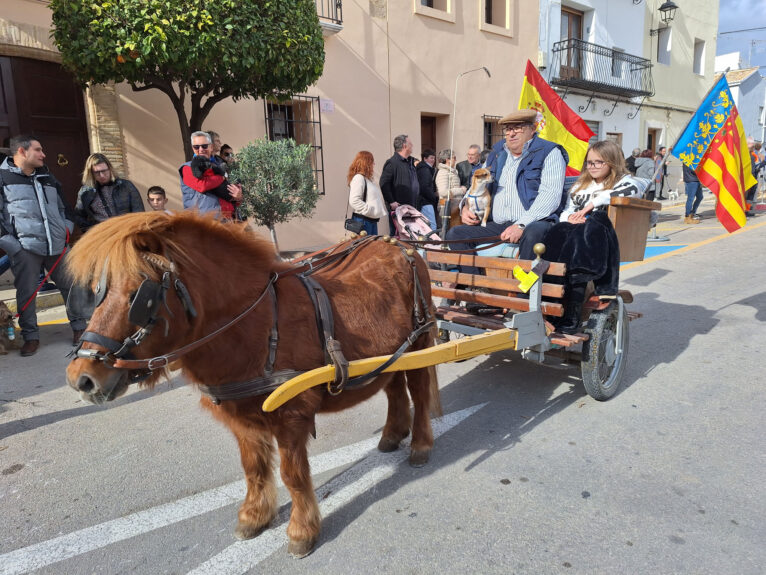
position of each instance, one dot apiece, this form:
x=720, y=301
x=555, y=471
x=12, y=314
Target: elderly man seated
x=527, y=189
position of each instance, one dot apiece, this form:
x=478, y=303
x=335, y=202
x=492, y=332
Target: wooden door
x=571, y=29
x=8, y=117
x=427, y=134
x=49, y=105
x=651, y=140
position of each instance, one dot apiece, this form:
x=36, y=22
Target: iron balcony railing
x=330, y=11
x=598, y=69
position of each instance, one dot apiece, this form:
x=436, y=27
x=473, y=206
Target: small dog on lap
x=478, y=197
x=6, y=321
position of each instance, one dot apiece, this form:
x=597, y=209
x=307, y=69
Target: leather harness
x=146, y=302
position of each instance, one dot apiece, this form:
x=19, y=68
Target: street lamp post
x=446, y=214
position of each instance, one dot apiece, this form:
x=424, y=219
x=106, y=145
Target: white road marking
x=243, y=556
x=91, y=538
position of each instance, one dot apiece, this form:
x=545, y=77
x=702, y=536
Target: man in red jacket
x=203, y=182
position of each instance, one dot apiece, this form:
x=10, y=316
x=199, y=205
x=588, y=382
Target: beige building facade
x=391, y=67
x=682, y=52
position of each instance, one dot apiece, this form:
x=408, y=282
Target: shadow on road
x=757, y=302
x=519, y=396
x=27, y=424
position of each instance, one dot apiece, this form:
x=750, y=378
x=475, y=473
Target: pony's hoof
x=387, y=445
x=247, y=531
x=419, y=458
x=301, y=548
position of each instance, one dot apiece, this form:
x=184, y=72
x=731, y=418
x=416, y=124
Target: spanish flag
x=559, y=124
x=715, y=147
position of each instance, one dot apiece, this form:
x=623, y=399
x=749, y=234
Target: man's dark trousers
x=26, y=273
x=533, y=233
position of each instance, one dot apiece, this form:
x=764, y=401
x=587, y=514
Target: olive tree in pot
x=277, y=182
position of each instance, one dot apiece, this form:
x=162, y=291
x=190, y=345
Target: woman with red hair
x=365, y=197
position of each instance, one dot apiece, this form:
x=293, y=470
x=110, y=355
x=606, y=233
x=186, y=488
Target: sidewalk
x=45, y=300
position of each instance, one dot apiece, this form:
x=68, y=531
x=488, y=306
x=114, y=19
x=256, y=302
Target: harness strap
x=274, y=335
x=106, y=342
x=364, y=379
x=250, y=388
x=326, y=326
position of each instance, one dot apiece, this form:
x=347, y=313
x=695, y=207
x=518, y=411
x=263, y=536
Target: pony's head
x=151, y=274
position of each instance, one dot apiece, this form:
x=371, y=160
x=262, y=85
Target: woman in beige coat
x=448, y=180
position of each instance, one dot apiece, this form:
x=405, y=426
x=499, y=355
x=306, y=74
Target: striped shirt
x=507, y=206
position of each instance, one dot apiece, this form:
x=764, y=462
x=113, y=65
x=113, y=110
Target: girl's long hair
x=93, y=160
x=612, y=155
x=362, y=164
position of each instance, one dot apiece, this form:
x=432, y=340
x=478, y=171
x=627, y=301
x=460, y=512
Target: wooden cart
x=524, y=307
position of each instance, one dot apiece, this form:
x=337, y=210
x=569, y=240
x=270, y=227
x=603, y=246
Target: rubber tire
x=600, y=380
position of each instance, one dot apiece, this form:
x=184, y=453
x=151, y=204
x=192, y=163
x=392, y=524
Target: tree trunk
x=273, y=233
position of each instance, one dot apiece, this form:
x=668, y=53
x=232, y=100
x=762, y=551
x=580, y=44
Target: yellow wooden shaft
x=464, y=348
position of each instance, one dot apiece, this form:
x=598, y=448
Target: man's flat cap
x=519, y=117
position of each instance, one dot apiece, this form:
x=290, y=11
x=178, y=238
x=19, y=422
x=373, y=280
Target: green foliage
x=239, y=48
x=277, y=181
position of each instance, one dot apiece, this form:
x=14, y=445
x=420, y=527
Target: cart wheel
x=602, y=366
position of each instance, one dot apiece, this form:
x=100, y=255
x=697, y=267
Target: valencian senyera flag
x=559, y=123
x=715, y=147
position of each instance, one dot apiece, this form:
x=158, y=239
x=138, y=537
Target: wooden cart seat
x=499, y=289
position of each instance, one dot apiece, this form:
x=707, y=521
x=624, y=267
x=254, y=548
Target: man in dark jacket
x=34, y=226
x=527, y=188
x=398, y=180
x=429, y=200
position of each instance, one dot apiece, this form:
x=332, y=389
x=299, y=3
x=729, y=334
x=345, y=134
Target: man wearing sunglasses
x=203, y=183
x=527, y=188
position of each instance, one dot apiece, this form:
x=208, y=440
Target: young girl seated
x=584, y=238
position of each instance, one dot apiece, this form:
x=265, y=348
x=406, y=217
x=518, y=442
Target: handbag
x=352, y=225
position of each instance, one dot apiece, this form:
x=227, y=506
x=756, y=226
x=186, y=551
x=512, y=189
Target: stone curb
x=45, y=300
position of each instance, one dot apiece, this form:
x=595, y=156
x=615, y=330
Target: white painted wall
x=749, y=98
x=606, y=23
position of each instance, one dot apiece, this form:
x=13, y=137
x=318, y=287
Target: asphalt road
x=528, y=474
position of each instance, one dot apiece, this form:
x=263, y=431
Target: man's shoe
x=691, y=220
x=76, y=335
x=660, y=198
x=30, y=347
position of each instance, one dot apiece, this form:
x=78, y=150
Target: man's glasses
x=99, y=172
x=226, y=155
x=515, y=129
x=198, y=146
x=595, y=163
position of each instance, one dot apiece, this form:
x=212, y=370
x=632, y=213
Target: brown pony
x=225, y=268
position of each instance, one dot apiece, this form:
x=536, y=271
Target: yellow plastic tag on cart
x=526, y=280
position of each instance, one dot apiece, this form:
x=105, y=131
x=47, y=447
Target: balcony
x=330, y=14
x=600, y=70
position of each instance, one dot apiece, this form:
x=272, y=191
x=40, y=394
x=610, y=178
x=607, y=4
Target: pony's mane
x=124, y=245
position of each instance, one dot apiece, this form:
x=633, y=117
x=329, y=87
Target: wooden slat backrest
x=501, y=284
x=555, y=269
x=490, y=299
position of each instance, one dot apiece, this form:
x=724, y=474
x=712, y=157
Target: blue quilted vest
x=529, y=171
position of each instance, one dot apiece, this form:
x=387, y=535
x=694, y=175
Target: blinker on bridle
x=144, y=310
